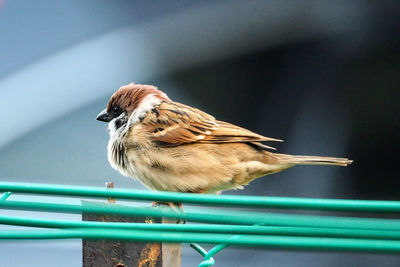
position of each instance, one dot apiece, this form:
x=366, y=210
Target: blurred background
x=322, y=75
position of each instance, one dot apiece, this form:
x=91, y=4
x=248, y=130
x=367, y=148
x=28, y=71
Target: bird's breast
x=117, y=156
x=132, y=159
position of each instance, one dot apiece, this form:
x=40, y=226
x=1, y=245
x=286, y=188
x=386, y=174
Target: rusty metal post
x=106, y=253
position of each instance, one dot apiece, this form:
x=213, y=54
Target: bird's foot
x=177, y=207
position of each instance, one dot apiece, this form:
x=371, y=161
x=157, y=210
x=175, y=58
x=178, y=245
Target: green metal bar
x=206, y=263
x=286, y=242
x=274, y=229
x=201, y=228
x=213, y=215
x=5, y=196
x=199, y=249
x=203, y=252
x=227, y=200
x=208, y=259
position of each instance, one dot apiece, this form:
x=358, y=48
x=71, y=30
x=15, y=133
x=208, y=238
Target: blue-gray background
x=323, y=75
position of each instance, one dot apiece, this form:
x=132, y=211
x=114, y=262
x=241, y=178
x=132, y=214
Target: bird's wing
x=172, y=124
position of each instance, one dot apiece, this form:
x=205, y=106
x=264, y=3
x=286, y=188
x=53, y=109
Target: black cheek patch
x=119, y=123
x=154, y=110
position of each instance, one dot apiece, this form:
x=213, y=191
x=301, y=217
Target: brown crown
x=129, y=97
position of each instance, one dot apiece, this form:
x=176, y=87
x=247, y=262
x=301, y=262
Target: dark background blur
x=322, y=75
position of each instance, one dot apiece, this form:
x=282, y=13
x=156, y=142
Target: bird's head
x=129, y=104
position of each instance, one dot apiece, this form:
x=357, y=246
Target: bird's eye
x=116, y=109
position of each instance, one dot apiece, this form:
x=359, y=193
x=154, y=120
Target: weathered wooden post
x=106, y=253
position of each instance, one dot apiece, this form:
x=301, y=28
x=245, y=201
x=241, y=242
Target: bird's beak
x=104, y=116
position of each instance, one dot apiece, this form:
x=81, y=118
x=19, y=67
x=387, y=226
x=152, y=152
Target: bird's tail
x=312, y=160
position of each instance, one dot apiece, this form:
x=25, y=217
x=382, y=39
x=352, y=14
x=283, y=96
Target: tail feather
x=312, y=160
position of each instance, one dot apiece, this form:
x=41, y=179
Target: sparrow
x=169, y=146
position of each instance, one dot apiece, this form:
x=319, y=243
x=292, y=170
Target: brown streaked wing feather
x=173, y=124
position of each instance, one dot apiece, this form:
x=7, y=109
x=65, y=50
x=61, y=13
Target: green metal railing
x=224, y=227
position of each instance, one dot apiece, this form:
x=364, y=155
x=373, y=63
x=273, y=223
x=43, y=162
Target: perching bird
x=169, y=146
